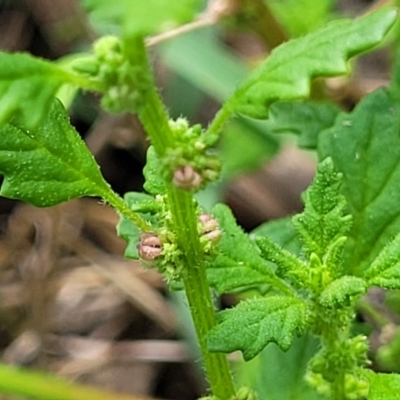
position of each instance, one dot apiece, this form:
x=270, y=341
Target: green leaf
x=287, y=72
x=302, y=16
x=238, y=264
x=385, y=269
x=142, y=17
x=281, y=232
x=342, y=291
x=152, y=172
x=28, y=85
x=277, y=375
x=384, y=387
x=254, y=323
x=49, y=164
x=323, y=221
x=365, y=148
x=289, y=265
x=146, y=206
x=304, y=119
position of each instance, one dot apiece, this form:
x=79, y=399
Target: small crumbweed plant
x=306, y=274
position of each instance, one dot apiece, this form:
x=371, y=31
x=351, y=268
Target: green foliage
x=305, y=276
x=323, y=222
x=254, y=323
x=28, y=85
x=341, y=291
x=304, y=119
x=135, y=18
x=384, y=387
x=277, y=375
x=281, y=232
x=365, y=148
x=48, y=164
x=238, y=263
x=146, y=206
x=152, y=172
x=287, y=72
x=385, y=269
x=302, y=16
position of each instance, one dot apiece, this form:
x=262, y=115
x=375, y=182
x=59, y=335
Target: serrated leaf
x=365, y=148
x=384, y=387
x=287, y=72
x=143, y=204
x=289, y=265
x=385, y=269
x=27, y=87
x=142, y=17
x=238, y=264
x=49, y=164
x=304, y=119
x=341, y=291
x=323, y=221
x=254, y=323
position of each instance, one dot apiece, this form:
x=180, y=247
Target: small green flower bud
x=106, y=46
x=355, y=388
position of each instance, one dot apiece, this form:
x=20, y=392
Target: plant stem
x=198, y=291
x=220, y=119
x=151, y=111
x=154, y=118
x=118, y=204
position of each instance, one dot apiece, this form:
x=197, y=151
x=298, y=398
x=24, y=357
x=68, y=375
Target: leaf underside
x=49, y=164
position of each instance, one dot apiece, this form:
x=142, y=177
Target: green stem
x=198, y=291
x=151, y=111
x=220, y=119
x=154, y=118
x=118, y=204
x=338, y=392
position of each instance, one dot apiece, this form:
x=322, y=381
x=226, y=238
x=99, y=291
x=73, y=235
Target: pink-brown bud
x=149, y=247
x=210, y=228
x=187, y=178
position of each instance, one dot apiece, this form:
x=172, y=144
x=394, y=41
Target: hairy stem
x=119, y=205
x=198, y=291
x=154, y=118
